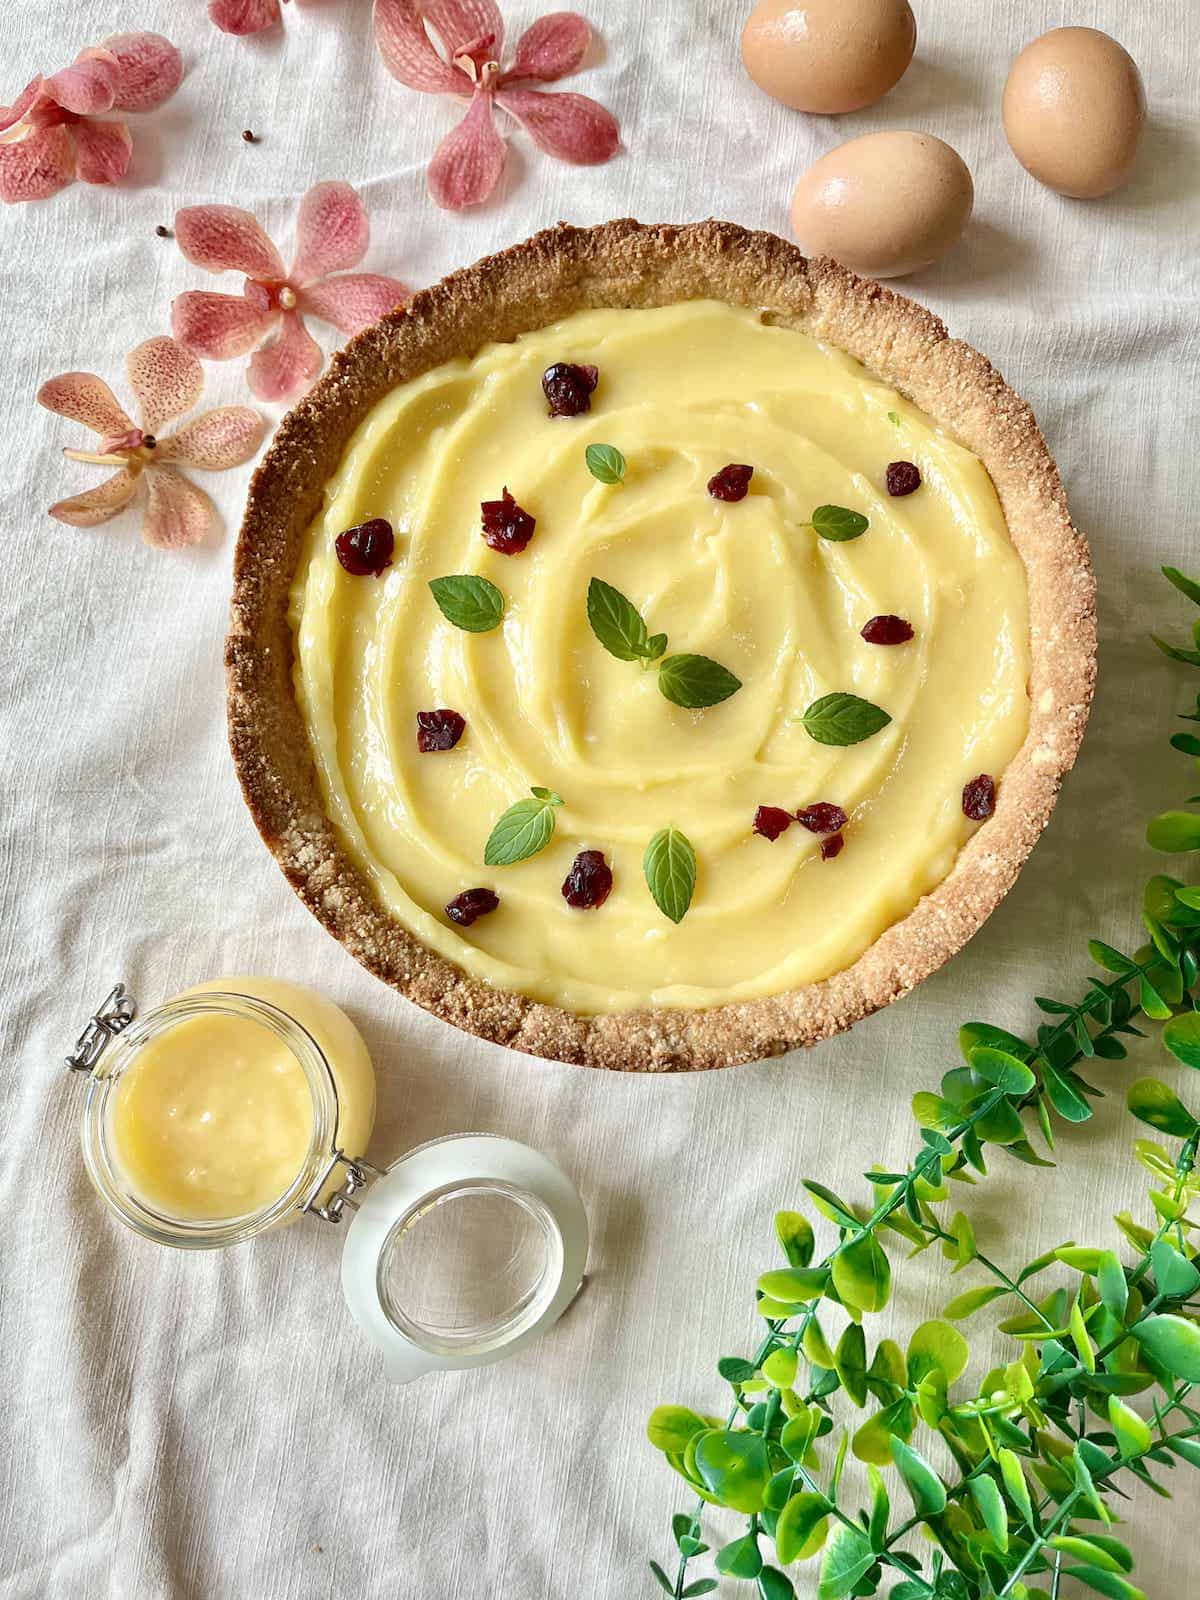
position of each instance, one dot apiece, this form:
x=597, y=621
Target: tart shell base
x=627, y=264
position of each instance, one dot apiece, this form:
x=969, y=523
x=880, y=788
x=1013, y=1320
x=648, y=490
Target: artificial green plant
x=1097, y=1393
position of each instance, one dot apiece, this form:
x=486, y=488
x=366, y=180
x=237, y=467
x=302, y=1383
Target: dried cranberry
x=887, y=630
x=833, y=846
x=505, y=526
x=439, y=730
x=902, y=478
x=822, y=818
x=568, y=389
x=589, y=882
x=771, y=821
x=979, y=798
x=731, y=483
x=366, y=550
x=470, y=904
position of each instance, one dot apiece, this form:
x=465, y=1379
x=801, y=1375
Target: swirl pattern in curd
x=683, y=390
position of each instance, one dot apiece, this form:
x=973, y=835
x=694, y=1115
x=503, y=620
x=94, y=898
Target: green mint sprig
x=469, y=602
x=522, y=830
x=1039, y=1443
x=837, y=523
x=686, y=680
x=670, y=868
x=843, y=719
x=605, y=462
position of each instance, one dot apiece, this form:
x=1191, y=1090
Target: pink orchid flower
x=245, y=16
x=467, y=164
x=167, y=381
x=331, y=233
x=50, y=136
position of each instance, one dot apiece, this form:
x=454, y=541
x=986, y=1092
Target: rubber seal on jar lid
x=462, y=1253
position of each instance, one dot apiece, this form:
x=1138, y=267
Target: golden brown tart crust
x=626, y=264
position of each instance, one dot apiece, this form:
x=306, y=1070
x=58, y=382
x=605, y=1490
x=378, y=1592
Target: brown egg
x=828, y=55
x=1074, y=107
x=884, y=205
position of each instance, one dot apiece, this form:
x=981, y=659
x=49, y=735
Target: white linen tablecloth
x=211, y=1425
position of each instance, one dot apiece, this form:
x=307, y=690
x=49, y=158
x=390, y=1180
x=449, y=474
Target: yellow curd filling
x=683, y=390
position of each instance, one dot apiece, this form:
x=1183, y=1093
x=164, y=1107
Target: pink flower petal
x=83, y=397
x=99, y=504
x=226, y=239
x=177, y=513
x=166, y=378
x=102, y=150
x=13, y=113
x=87, y=85
x=569, y=126
x=408, y=52
x=217, y=326
x=244, y=16
x=461, y=23
x=332, y=232
x=466, y=166
x=288, y=364
x=149, y=70
x=37, y=166
x=552, y=48
x=222, y=438
x=353, y=301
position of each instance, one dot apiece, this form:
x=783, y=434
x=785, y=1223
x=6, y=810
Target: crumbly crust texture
x=628, y=264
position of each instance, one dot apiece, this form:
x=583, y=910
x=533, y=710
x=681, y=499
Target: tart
x=901, y=542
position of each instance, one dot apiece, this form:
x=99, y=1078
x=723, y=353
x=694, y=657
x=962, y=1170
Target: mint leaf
x=843, y=719
x=670, y=868
x=469, y=602
x=655, y=645
x=837, y=523
x=617, y=623
x=523, y=830
x=605, y=462
x=894, y=418
x=696, y=681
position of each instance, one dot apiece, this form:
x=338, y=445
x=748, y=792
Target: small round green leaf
x=733, y=1467
x=671, y=1428
x=794, y=1285
x=936, y=1346
x=848, y=1557
x=1174, y=832
x=794, y=1232
x=798, y=1523
x=1001, y=1069
x=605, y=462
x=734, y=1370
x=862, y=1275
x=469, y=602
x=1182, y=1037
x=696, y=681
x=669, y=865
x=1173, y=1342
x=1159, y=1107
x=780, y=1366
x=773, y=1585
x=740, y=1559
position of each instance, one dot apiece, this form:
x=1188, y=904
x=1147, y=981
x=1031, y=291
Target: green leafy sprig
x=686, y=680
x=1039, y=1445
x=522, y=830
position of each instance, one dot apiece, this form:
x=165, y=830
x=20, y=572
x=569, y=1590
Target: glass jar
x=326, y=1056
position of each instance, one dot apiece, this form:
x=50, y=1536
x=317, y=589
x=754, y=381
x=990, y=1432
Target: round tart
x=782, y=738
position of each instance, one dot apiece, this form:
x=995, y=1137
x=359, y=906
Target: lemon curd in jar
x=214, y=1117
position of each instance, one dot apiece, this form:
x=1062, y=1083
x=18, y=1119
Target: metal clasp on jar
x=112, y=1018
x=359, y=1173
